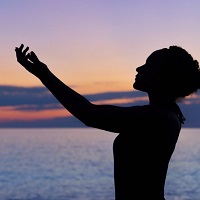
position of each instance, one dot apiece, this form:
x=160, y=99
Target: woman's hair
x=181, y=73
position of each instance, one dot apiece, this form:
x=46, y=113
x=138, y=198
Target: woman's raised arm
x=106, y=117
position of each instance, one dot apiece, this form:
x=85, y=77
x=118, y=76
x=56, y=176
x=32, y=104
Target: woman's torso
x=142, y=153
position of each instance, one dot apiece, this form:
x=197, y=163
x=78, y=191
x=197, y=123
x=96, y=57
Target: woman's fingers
x=25, y=50
x=33, y=57
x=22, y=56
x=19, y=48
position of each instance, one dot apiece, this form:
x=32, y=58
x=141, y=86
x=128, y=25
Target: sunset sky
x=94, y=46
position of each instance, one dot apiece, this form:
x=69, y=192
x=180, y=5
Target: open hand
x=30, y=61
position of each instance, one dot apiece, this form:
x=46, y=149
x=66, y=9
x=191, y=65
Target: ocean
x=77, y=164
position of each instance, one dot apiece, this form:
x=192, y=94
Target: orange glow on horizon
x=9, y=114
x=122, y=101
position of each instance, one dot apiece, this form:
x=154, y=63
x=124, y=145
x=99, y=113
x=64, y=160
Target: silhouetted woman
x=147, y=134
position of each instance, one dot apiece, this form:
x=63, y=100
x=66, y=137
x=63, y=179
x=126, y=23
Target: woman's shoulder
x=168, y=116
x=160, y=113
x=150, y=110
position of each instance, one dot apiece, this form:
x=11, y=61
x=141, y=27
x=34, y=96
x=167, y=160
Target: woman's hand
x=31, y=62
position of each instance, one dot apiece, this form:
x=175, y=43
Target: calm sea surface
x=77, y=164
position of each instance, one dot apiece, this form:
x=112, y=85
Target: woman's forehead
x=158, y=54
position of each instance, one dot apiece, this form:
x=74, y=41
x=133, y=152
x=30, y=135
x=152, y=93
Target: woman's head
x=171, y=72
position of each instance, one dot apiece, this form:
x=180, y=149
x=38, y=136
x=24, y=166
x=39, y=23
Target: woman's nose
x=138, y=69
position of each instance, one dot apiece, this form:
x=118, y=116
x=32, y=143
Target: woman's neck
x=157, y=99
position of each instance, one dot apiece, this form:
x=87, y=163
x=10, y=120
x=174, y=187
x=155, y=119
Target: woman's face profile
x=149, y=74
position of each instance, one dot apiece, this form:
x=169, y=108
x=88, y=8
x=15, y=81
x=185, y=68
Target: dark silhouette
x=147, y=134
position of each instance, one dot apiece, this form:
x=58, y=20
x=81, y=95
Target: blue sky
x=94, y=46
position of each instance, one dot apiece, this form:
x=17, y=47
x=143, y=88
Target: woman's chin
x=139, y=87
x=136, y=86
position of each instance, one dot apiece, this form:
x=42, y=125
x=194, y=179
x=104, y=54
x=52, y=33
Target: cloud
x=59, y=122
x=27, y=98
x=41, y=109
x=39, y=98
